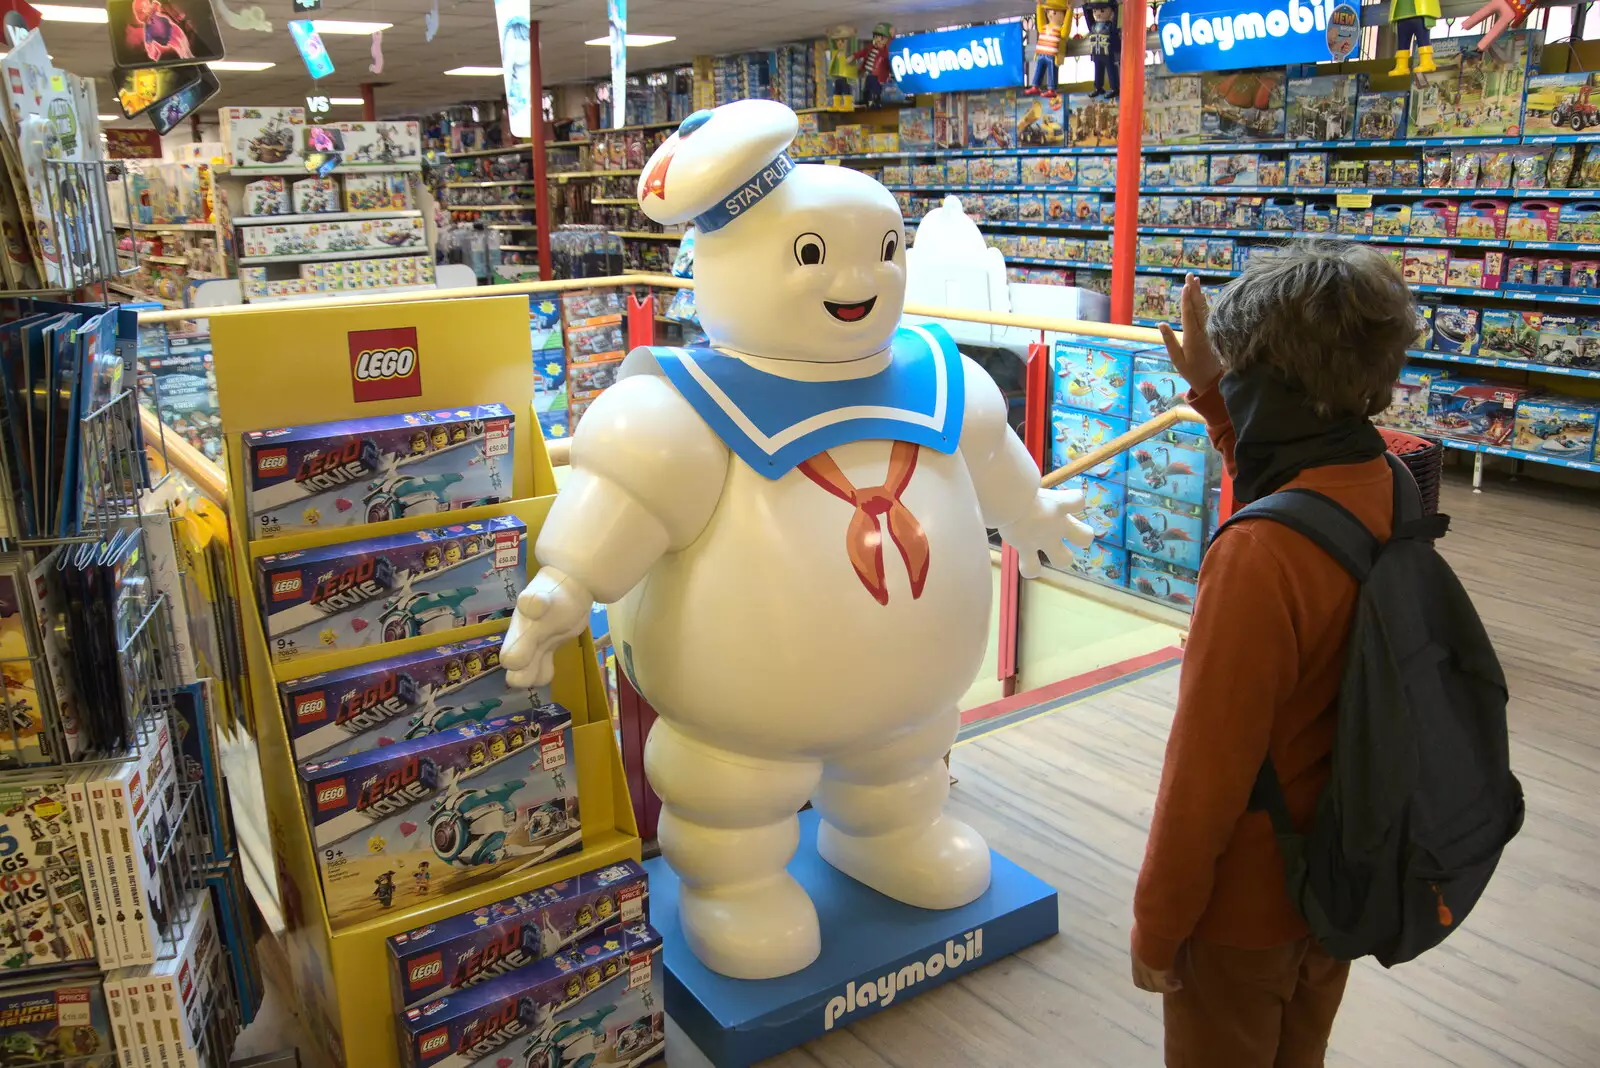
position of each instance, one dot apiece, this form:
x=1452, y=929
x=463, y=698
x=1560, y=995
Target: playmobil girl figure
x=1049, y=44
x=1413, y=19
x=790, y=525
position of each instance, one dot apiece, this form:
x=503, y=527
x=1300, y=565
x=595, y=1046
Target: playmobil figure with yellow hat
x=790, y=526
x=842, y=69
x=1413, y=19
x=1105, y=47
x=1049, y=44
x=874, y=61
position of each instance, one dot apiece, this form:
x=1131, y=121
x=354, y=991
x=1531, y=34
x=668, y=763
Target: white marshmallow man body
x=791, y=527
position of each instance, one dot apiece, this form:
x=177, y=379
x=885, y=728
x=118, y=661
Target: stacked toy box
x=567, y=974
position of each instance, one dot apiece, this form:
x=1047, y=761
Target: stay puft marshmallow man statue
x=790, y=527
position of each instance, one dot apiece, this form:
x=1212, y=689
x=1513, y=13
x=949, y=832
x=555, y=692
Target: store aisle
x=1069, y=795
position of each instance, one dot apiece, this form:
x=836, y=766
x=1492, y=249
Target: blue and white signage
x=952, y=61
x=1201, y=35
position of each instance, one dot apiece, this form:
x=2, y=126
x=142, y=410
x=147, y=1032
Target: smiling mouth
x=850, y=313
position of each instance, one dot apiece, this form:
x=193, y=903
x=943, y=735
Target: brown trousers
x=1252, y=1008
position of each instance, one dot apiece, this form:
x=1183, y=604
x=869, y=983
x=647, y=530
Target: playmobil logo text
x=882, y=992
x=1230, y=34
x=980, y=52
x=983, y=57
x=385, y=364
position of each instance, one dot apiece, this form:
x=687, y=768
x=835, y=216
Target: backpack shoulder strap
x=1321, y=520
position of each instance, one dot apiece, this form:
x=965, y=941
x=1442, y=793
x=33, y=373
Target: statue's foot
x=755, y=931
x=939, y=865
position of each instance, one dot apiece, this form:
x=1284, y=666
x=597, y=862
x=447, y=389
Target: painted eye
x=809, y=250
x=891, y=245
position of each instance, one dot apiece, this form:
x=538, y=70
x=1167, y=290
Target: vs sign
x=317, y=105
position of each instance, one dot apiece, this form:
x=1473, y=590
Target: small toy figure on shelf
x=842, y=70
x=1049, y=46
x=1105, y=46
x=873, y=61
x=1412, y=20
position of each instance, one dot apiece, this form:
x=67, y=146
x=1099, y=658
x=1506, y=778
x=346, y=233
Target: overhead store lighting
x=634, y=40
x=241, y=64
x=63, y=13
x=108, y=118
x=475, y=72
x=355, y=29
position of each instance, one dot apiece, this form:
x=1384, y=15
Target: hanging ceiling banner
x=1200, y=35
x=617, y=15
x=951, y=61
x=514, y=21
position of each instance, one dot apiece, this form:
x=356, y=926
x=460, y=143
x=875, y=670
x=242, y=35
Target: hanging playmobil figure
x=842, y=69
x=1105, y=47
x=790, y=526
x=1412, y=20
x=874, y=64
x=1049, y=45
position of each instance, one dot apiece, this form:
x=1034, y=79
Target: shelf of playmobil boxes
x=596, y=341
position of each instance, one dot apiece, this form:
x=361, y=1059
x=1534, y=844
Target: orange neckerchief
x=864, y=536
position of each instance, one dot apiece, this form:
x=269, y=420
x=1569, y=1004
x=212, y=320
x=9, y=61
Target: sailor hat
x=719, y=164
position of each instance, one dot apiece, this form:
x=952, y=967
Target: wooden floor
x=1068, y=796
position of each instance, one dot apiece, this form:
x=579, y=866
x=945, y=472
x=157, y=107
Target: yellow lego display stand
x=288, y=367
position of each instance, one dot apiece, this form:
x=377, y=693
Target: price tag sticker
x=1355, y=200
x=638, y=970
x=58, y=83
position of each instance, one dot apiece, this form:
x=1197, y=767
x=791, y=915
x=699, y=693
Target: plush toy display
x=1105, y=46
x=874, y=63
x=790, y=526
x=1413, y=20
x=1049, y=44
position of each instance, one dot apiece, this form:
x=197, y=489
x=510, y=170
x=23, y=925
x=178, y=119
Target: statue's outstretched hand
x=1052, y=518
x=551, y=610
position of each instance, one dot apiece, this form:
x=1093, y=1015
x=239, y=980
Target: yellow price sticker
x=1355, y=200
x=58, y=83
x=831, y=162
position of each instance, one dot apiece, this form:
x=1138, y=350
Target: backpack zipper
x=1445, y=916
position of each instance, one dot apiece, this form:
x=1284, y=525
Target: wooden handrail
x=1143, y=432
x=185, y=458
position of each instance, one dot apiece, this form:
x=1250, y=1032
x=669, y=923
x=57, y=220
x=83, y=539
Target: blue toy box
x=420, y=819
x=599, y=1003
x=1471, y=409
x=1170, y=465
x=1104, y=504
x=1102, y=563
x=1076, y=433
x=371, y=705
x=358, y=593
x=1156, y=387
x=357, y=471
x=1092, y=375
x=1556, y=426
x=1164, y=581
x=1455, y=329
x=1169, y=530
x=462, y=951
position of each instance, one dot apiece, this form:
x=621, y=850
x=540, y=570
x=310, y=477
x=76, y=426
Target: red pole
x=1130, y=134
x=541, y=191
x=369, y=102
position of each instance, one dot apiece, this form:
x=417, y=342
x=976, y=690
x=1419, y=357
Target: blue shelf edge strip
x=1510, y=365
x=1519, y=454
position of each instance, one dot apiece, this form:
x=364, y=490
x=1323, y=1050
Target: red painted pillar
x=1035, y=435
x=635, y=716
x=369, y=102
x=1130, y=134
x=541, y=191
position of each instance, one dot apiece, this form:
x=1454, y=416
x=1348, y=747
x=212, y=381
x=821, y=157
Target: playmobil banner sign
x=952, y=61
x=1198, y=35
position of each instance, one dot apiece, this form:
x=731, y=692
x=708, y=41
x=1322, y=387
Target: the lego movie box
x=358, y=471
x=371, y=705
x=597, y=1004
x=417, y=819
x=358, y=593
x=463, y=951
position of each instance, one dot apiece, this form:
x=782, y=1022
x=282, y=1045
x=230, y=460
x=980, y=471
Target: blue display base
x=870, y=943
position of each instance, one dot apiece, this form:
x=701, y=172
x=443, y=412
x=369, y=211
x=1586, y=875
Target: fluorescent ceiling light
x=63, y=13
x=475, y=72
x=241, y=64
x=634, y=40
x=345, y=101
x=355, y=29
x=108, y=118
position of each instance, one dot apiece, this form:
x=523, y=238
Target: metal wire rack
x=73, y=228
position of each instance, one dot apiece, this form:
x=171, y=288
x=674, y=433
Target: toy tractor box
x=1563, y=103
x=359, y=593
x=416, y=820
x=356, y=471
x=474, y=947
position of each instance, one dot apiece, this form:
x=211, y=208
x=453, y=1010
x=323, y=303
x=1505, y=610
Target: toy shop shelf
x=158, y=227
x=612, y=200
x=1295, y=146
x=1210, y=272
x=519, y=248
x=1099, y=228
x=993, y=189
x=511, y=226
x=485, y=185
x=321, y=216
x=1561, y=139
x=334, y=293
x=320, y=257
x=1193, y=231
x=561, y=176
x=383, y=168
x=1375, y=190
x=1080, y=264
x=1520, y=454
x=642, y=235
x=508, y=150
x=488, y=207
x=1513, y=365
x=1512, y=294
x=957, y=153
x=1557, y=246
x=129, y=291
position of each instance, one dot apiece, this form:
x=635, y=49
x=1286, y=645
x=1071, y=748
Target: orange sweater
x=1260, y=673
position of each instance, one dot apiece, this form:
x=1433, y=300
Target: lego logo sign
x=385, y=364
x=287, y=585
x=331, y=795
x=272, y=461
x=436, y=1041
x=429, y=967
x=311, y=708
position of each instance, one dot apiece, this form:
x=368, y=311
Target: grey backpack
x=1421, y=799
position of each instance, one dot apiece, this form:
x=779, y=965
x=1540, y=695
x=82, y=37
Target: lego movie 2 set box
x=385, y=589
x=356, y=471
x=420, y=818
x=598, y=1003
x=371, y=705
x=463, y=951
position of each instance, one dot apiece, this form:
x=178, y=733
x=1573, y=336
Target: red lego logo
x=311, y=708
x=287, y=585
x=428, y=968
x=331, y=795
x=271, y=462
x=385, y=364
x=435, y=1041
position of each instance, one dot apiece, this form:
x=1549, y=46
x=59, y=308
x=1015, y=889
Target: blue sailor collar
x=774, y=423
